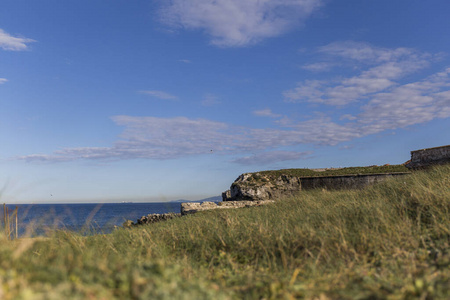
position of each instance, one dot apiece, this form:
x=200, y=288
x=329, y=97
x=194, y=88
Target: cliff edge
x=261, y=186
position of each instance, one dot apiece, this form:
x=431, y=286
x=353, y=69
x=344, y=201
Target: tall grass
x=8, y=221
x=388, y=241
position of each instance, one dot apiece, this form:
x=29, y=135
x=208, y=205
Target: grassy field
x=389, y=241
x=338, y=171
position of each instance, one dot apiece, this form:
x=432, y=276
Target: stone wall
x=345, y=181
x=430, y=156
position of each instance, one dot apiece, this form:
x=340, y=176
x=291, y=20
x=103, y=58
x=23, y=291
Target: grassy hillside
x=389, y=241
x=338, y=171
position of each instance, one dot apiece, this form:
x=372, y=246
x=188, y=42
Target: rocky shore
x=191, y=208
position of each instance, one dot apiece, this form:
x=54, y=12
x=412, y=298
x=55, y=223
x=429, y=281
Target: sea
x=92, y=218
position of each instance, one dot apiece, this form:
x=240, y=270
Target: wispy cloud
x=234, y=23
x=11, y=43
x=168, y=138
x=319, y=67
x=408, y=104
x=3, y=80
x=381, y=101
x=381, y=68
x=186, y=61
x=365, y=52
x=159, y=94
x=152, y=138
x=266, y=113
x=401, y=106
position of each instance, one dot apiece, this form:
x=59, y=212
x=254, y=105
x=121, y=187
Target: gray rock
x=193, y=207
x=153, y=218
x=226, y=195
x=261, y=187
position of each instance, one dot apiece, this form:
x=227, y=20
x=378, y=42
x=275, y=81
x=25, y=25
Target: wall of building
x=431, y=156
x=345, y=181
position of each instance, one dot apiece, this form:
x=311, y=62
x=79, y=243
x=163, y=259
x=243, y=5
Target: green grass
x=389, y=241
x=337, y=172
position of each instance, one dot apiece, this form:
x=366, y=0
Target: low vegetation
x=389, y=241
x=337, y=171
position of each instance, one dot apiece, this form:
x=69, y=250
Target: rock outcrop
x=152, y=218
x=261, y=187
x=193, y=207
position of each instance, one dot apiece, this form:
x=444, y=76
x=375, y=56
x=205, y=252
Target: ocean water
x=38, y=219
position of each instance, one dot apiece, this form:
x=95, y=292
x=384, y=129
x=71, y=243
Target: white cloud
x=399, y=106
x=186, y=61
x=8, y=42
x=271, y=157
x=153, y=138
x=377, y=91
x=169, y=138
x=307, y=91
x=443, y=100
x=3, y=80
x=408, y=104
x=365, y=52
x=381, y=102
x=382, y=68
x=266, y=113
x=323, y=131
x=234, y=23
x=159, y=94
x=319, y=67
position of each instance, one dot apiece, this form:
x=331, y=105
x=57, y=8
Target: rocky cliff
x=262, y=186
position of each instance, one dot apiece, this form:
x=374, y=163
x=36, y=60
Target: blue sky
x=104, y=101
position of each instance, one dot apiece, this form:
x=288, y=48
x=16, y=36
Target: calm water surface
x=36, y=219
